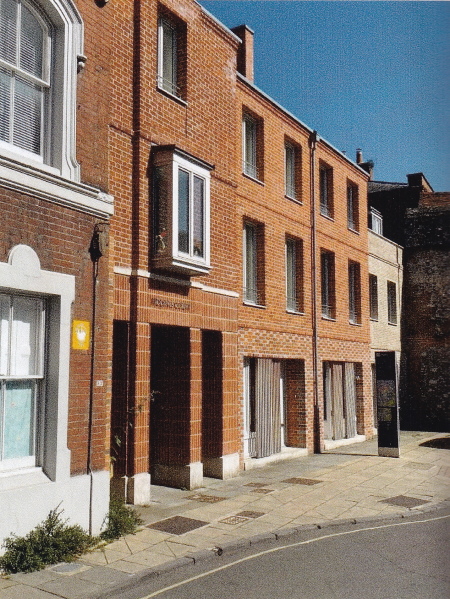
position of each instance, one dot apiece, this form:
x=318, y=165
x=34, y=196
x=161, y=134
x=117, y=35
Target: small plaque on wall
x=81, y=334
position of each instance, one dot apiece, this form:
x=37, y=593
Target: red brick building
x=54, y=293
x=219, y=318
x=240, y=262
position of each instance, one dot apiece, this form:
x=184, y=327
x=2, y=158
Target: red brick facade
x=181, y=340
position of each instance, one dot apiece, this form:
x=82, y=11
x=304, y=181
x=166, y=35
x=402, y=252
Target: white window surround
x=169, y=162
x=56, y=176
x=23, y=274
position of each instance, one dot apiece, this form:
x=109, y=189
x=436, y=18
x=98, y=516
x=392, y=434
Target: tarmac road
x=407, y=559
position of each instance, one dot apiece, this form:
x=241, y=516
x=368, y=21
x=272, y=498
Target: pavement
x=350, y=484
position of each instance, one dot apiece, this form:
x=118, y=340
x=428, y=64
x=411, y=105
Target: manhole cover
x=177, y=525
x=256, y=485
x=262, y=491
x=404, y=501
x=205, y=498
x=250, y=514
x=234, y=520
x=302, y=481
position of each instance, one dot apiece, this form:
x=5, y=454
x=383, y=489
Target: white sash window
x=21, y=378
x=25, y=45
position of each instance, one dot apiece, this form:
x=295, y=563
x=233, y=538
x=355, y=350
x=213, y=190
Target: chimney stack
x=366, y=166
x=245, y=51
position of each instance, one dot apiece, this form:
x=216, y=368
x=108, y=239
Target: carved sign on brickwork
x=162, y=303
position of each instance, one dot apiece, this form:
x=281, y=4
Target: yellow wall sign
x=81, y=334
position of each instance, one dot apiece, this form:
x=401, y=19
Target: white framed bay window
x=181, y=211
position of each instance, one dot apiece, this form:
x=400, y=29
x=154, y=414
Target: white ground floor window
x=35, y=319
x=22, y=335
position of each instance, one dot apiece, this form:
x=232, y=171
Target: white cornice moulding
x=53, y=188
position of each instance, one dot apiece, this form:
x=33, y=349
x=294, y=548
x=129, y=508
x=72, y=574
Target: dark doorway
x=170, y=393
x=212, y=397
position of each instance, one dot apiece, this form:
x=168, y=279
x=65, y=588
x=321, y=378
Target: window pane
x=199, y=192
x=25, y=337
x=327, y=283
x=373, y=290
x=251, y=290
x=8, y=30
x=290, y=171
x=392, y=302
x=5, y=104
x=18, y=429
x=291, y=279
x=350, y=208
x=31, y=43
x=250, y=147
x=323, y=191
x=169, y=70
x=4, y=333
x=183, y=211
x=27, y=116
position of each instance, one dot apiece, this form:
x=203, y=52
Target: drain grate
x=250, y=514
x=404, y=501
x=256, y=485
x=177, y=525
x=302, y=481
x=205, y=498
x=233, y=520
x=262, y=491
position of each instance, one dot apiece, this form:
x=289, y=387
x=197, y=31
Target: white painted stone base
x=189, y=476
x=25, y=507
x=287, y=453
x=333, y=444
x=223, y=467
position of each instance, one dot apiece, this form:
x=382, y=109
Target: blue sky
x=368, y=74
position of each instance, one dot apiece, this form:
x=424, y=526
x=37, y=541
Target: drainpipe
x=315, y=336
x=96, y=250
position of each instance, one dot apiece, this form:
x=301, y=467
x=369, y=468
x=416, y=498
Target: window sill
x=182, y=265
x=45, y=183
x=374, y=320
x=252, y=305
x=247, y=176
x=352, y=230
x=164, y=92
x=354, y=324
x=327, y=216
x=329, y=318
x=392, y=324
x=14, y=479
x=295, y=312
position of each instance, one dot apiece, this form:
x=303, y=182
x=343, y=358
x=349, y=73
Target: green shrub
x=121, y=520
x=50, y=542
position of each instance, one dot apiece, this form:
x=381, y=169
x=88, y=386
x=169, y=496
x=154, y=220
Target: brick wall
x=425, y=399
